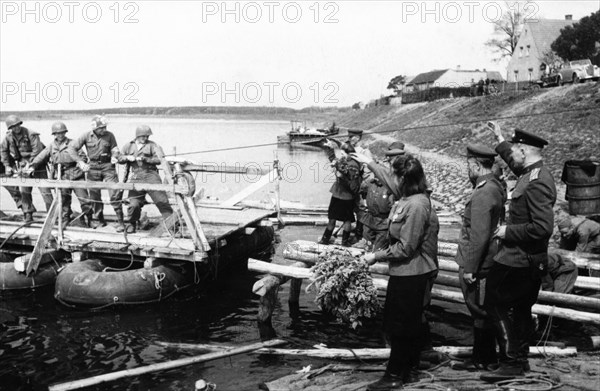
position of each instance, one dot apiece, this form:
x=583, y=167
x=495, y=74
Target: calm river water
x=43, y=342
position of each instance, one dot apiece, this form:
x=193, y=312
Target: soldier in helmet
x=19, y=147
x=142, y=157
x=59, y=153
x=103, y=154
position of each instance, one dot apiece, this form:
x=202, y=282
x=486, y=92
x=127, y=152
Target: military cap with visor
x=395, y=148
x=480, y=151
x=354, y=132
x=528, y=138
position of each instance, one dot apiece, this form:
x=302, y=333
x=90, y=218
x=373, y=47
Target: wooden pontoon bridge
x=204, y=228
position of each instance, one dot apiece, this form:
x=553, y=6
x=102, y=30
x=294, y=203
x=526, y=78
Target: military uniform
x=60, y=154
x=144, y=171
x=514, y=279
x=100, y=150
x=585, y=236
x=476, y=251
x=16, y=151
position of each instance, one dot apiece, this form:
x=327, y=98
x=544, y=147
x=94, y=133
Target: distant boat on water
x=302, y=136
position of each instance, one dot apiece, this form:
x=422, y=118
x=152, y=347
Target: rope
x=158, y=278
x=528, y=384
x=398, y=130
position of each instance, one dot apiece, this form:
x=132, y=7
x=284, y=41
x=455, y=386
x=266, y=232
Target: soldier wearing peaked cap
x=477, y=248
x=142, y=157
x=514, y=279
x=103, y=153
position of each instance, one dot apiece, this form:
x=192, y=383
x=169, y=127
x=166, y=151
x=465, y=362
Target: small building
x=535, y=40
x=449, y=78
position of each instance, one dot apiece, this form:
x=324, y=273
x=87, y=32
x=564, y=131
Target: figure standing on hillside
x=514, y=279
x=477, y=248
x=579, y=234
x=344, y=192
x=20, y=147
x=142, y=157
x=379, y=200
x=103, y=154
x=59, y=153
x=412, y=255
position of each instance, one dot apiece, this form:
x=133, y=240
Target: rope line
x=398, y=130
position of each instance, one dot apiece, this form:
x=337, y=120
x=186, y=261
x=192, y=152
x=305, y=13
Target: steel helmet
x=143, y=130
x=59, y=127
x=99, y=122
x=12, y=120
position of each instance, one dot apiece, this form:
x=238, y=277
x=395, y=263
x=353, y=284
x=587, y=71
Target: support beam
x=265, y=180
x=31, y=182
x=44, y=237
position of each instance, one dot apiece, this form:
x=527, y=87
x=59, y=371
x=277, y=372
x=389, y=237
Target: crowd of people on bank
x=503, y=257
x=92, y=156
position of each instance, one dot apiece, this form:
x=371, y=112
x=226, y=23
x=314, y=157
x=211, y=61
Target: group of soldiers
x=23, y=154
x=502, y=257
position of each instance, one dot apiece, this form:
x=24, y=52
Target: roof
x=545, y=31
x=494, y=75
x=428, y=77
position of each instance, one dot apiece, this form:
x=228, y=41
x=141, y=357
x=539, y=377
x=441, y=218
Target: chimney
x=569, y=17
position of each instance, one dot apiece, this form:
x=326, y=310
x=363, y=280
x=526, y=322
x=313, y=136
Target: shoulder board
x=535, y=173
x=481, y=184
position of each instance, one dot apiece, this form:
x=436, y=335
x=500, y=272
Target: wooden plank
x=265, y=180
x=44, y=237
x=196, y=222
x=73, y=385
x=31, y=182
x=222, y=169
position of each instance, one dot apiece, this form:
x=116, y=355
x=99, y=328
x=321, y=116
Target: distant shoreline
x=315, y=114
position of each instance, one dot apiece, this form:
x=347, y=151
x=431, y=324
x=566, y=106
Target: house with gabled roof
x=534, y=42
x=449, y=78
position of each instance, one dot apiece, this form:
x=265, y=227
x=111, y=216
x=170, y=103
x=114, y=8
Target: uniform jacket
x=348, y=177
x=586, y=235
x=20, y=149
x=56, y=153
x=413, y=234
x=379, y=203
x=99, y=149
x=483, y=211
x=151, y=154
x=531, y=217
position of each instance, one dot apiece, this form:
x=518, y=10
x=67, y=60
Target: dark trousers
x=484, y=336
x=22, y=195
x=510, y=294
x=403, y=321
x=74, y=174
x=104, y=172
x=137, y=199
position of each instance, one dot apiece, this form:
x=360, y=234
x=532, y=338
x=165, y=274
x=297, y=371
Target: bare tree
x=507, y=30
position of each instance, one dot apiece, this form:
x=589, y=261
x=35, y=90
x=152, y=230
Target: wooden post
x=45, y=235
x=60, y=206
x=278, y=190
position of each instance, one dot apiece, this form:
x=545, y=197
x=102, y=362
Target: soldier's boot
x=131, y=227
x=120, y=221
x=28, y=217
x=326, y=236
x=346, y=239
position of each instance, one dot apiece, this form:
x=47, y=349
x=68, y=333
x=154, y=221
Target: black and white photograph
x=299, y=195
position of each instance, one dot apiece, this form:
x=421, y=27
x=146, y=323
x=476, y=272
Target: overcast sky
x=83, y=55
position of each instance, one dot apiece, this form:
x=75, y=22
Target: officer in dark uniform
x=477, y=248
x=514, y=279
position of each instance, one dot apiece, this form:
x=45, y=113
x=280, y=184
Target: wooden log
x=293, y=253
x=73, y=385
x=44, y=237
x=48, y=255
x=194, y=346
x=32, y=182
x=384, y=353
x=437, y=292
x=223, y=169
